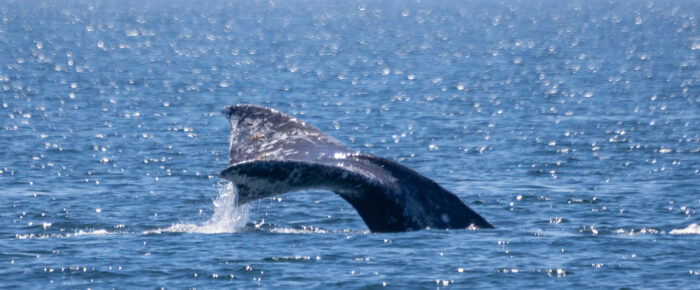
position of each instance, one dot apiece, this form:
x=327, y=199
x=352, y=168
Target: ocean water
x=572, y=126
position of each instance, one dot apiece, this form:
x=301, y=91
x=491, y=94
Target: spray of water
x=228, y=216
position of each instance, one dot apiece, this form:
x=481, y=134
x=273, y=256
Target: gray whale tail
x=272, y=153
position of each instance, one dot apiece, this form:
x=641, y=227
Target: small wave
x=692, y=229
x=100, y=232
x=309, y=230
x=38, y=236
x=642, y=231
x=228, y=216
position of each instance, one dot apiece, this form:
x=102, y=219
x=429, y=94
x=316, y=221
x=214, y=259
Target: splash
x=228, y=216
x=692, y=229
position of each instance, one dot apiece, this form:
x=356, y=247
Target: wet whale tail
x=272, y=153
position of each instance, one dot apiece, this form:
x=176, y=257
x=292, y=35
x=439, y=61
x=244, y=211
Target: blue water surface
x=572, y=126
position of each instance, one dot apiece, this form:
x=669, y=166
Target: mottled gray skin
x=273, y=153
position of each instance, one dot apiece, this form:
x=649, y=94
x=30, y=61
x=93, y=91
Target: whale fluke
x=272, y=153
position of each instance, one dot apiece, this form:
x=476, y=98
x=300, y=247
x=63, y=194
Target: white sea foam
x=692, y=229
x=100, y=232
x=310, y=230
x=228, y=216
